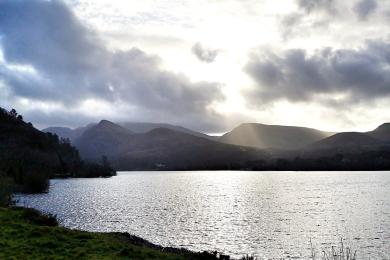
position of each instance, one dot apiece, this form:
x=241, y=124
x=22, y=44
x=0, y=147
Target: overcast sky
x=204, y=64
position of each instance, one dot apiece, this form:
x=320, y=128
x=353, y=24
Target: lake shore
x=28, y=234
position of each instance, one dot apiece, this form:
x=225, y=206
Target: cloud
x=204, y=54
x=345, y=76
x=310, y=6
x=50, y=56
x=311, y=17
x=364, y=8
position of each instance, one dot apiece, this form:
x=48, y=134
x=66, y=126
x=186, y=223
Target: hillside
x=66, y=132
x=273, y=136
x=346, y=140
x=160, y=148
x=30, y=157
x=140, y=127
x=63, y=132
x=381, y=133
x=105, y=138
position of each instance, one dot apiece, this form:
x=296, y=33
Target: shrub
x=35, y=182
x=6, y=188
x=93, y=170
x=36, y=217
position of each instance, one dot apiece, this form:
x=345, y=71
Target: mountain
x=140, y=127
x=147, y=146
x=273, y=136
x=160, y=148
x=135, y=127
x=381, y=133
x=346, y=140
x=105, y=138
x=66, y=132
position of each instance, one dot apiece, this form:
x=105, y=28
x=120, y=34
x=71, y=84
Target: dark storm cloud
x=69, y=64
x=204, y=54
x=364, y=8
x=362, y=74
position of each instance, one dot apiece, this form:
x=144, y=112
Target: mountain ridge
x=160, y=148
x=346, y=140
x=265, y=136
x=257, y=146
x=135, y=127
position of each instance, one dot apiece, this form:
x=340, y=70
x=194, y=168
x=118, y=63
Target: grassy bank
x=27, y=234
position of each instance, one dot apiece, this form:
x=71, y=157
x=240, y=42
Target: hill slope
x=105, y=138
x=381, y=133
x=140, y=127
x=346, y=140
x=273, y=136
x=66, y=132
x=29, y=156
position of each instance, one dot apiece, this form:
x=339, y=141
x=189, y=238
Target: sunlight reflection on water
x=267, y=214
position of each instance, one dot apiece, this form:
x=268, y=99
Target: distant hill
x=66, y=132
x=273, y=136
x=346, y=140
x=381, y=133
x=105, y=138
x=160, y=148
x=136, y=127
x=140, y=127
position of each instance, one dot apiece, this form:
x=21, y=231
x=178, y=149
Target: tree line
x=29, y=157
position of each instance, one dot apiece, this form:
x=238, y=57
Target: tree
x=105, y=162
x=13, y=113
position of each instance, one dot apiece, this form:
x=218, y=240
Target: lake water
x=266, y=214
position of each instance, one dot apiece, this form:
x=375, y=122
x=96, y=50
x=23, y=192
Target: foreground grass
x=26, y=234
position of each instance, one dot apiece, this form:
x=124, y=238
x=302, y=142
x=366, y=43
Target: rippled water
x=267, y=214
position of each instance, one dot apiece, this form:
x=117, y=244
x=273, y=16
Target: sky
x=208, y=65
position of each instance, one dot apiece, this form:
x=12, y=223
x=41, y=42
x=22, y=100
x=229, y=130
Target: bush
x=35, y=182
x=6, y=188
x=94, y=170
x=36, y=217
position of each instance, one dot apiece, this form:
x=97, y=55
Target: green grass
x=26, y=234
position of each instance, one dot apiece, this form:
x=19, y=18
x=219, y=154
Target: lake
x=266, y=214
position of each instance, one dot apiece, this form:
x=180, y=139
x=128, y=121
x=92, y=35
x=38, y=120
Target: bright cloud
x=204, y=64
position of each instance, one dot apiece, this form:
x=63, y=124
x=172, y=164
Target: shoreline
x=29, y=232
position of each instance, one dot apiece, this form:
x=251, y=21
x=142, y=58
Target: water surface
x=267, y=214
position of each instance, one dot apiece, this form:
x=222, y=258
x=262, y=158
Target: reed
x=335, y=252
